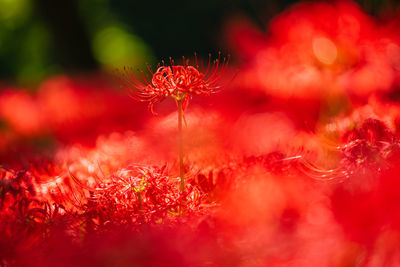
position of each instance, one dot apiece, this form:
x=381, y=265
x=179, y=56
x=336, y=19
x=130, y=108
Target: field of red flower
x=287, y=156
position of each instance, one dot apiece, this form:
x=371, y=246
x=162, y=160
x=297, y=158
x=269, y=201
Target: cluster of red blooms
x=294, y=163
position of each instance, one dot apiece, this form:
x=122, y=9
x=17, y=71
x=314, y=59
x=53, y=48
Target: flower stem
x=140, y=200
x=180, y=140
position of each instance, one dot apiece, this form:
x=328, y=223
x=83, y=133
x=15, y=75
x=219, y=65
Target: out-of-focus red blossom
x=179, y=81
x=272, y=220
x=372, y=145
x=386, y=111
x=368, y=135
x=20, y=110
x=263, y=139
x=318, y=50
x=25, y=221
x=363, y=201
x=293, y=166
x=366, y=207
x=110, y=153
x=165, y=246
x=75, y=105
x=205, y=135
x=69, y=108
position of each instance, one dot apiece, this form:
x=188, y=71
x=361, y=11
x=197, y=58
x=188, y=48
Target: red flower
x=178, y=81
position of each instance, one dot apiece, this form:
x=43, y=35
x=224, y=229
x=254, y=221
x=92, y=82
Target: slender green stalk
x=180, y=140
x=139, y=195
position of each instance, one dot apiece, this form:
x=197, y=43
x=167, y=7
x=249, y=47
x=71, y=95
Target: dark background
x=39, y=38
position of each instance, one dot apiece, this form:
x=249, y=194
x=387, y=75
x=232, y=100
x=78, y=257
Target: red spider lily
x=135, y=195
x=178, y=81
x=18, y=184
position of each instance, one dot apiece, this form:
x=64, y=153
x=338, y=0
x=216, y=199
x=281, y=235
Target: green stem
x=180, y=140
x=140, y=200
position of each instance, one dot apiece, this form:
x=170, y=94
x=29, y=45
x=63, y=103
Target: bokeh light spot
x=325, y=50
x=13, y=12
x=114, y=47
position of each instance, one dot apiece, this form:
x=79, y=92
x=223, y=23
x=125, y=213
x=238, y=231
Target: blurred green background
x=39, y=38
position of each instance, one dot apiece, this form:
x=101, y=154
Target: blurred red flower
x=318, y=50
